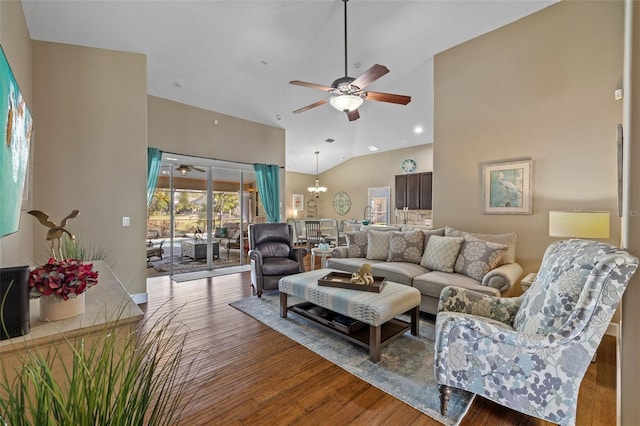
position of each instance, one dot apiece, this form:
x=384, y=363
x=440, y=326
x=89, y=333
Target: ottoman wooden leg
x=374, y=343
x=415, y=324
x=283, y=304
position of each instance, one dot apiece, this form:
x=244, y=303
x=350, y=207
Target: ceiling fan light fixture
x=183, y=172
x=346, y=103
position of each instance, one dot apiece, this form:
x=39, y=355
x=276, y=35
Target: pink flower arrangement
x=62, y=278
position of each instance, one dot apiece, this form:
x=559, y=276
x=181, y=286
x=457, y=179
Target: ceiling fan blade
x=313, y=105
x=353, y=115
x=370, y=75
x=311, y=85
x=198, y=169
x=388, y=97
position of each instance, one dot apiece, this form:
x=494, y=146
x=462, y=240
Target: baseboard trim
x=613, y=330
x=140, y=298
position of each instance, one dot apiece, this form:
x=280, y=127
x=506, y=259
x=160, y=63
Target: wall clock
x=409, y=165
x=341, y=203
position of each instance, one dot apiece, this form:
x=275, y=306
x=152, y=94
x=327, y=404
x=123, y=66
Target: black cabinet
x=426, y=182
x=414, y=191
x=401, y=191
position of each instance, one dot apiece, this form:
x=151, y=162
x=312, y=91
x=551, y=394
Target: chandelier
x=317, y=190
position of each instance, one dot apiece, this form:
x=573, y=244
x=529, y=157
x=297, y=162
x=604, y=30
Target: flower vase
x=55, y=308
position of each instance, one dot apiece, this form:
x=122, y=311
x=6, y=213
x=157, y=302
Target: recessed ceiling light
x=164, y=172
x=330, y=140
x=417, y=130
x=177, y=85
x=372, y=148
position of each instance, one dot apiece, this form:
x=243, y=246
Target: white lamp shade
x=346, y=102
x=579, y=224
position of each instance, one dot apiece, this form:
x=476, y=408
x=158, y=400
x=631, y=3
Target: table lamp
x=579, y=224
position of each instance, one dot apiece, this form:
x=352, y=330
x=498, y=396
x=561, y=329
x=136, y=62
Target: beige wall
x=17, y=249
x=540, y=88
x=183, y=129
x=355, y=176
x=543, y=88
x=90, y=121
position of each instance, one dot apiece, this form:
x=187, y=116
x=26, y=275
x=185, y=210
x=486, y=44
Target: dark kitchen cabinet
x=426, y=182
x=414, y=191
x=401, y=191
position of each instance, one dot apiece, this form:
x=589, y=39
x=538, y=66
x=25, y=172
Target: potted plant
x=61, y=284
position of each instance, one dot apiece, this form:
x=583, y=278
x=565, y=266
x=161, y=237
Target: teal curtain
x=154, y=156
x=268, y=179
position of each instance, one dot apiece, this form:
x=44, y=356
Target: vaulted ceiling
x=236, y=57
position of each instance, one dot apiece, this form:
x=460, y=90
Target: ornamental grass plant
x=115, y=378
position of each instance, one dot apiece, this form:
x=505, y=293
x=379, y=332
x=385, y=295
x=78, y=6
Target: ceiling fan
x=348, y=92
x=184, y=169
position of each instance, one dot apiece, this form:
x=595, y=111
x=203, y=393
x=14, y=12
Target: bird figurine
x=55, y=232
x=363, y=276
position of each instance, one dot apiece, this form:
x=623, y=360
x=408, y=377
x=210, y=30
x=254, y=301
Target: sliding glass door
x=200, y=214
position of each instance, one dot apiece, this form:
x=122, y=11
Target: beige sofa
x=481, y=262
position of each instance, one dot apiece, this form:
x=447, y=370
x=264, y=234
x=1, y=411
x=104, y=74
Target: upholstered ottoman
x=378, y=310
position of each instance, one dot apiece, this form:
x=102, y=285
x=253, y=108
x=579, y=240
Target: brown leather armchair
x=272, y=255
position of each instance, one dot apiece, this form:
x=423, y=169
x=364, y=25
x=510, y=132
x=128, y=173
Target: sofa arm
x=298, y=255
x=455, y=299
x=503, y=277
x=339, y=252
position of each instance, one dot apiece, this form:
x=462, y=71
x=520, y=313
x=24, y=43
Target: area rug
x=190, y=276
x=183, y=264
x=405, y=369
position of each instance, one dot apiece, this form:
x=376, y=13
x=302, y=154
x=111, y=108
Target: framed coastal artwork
x=506, y=187
x=297, y=202
x=16, y=133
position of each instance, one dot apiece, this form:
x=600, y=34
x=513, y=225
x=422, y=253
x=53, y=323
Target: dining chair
x=313, y=234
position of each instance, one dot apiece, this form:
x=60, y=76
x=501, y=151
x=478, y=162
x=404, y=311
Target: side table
x=527, y=281
x=324, y=255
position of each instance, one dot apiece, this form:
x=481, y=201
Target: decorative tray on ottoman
x=343, y=280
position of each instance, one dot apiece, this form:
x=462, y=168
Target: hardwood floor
x=249, y=374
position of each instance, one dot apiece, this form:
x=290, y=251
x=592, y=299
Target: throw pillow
x=406, y=246
x=477, y=257
x=378, y=244
x=356, y=244
x=509, y=239
x=441, y=253
x=220, y=233
x=429, y=232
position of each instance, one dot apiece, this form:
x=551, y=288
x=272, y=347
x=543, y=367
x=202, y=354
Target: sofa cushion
x=509, y=239
x=406, y=247
x=356, y=244
x=378, y=244
x=397, y=272
x=351, y=265
x=220, y=233
x=441, y=253
x=477, y=257
x=432, y=283
x=234, y=234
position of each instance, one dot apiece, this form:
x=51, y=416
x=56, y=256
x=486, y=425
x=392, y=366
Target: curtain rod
x=210, y=158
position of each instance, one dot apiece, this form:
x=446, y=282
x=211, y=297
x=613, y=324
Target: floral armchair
x=530, y=353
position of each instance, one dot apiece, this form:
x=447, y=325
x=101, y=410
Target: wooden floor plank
x=248, y=374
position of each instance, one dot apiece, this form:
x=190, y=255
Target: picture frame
x=297, y=202
x=507, y=187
